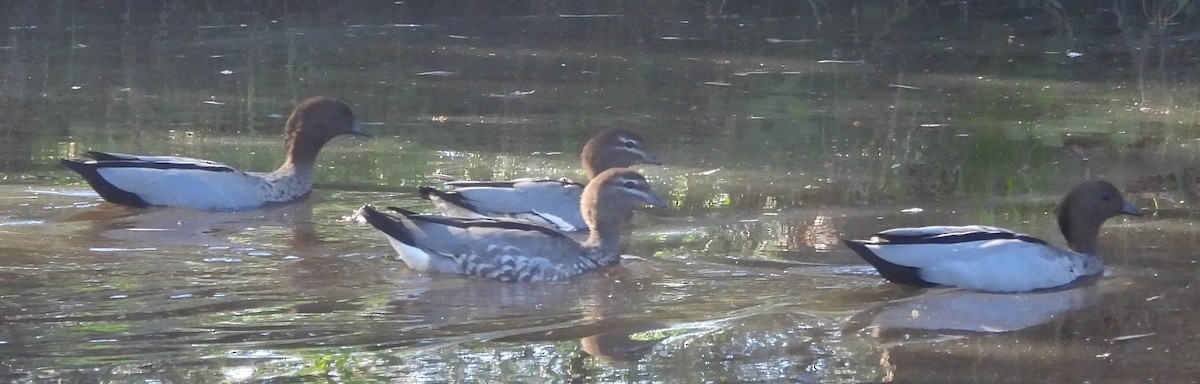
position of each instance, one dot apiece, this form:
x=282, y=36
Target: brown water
x=782, y=134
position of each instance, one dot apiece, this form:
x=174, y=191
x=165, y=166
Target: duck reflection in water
x=602, y=311
x=940, y=312
x=169, y=226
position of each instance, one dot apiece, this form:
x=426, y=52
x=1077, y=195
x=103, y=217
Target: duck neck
x=301, y=156
x=592, y=166
x=596, y=159
x=290, y=181
x=1082, y=239
x=1080, y=233
x=302, y=148
x=604, y=242
x=289, y=168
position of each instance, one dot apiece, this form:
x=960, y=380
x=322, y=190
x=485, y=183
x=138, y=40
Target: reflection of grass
x=341, y=365
x=657, y=334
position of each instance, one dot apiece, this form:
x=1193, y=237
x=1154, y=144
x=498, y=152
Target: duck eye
x=630, y=144
x=630, y=184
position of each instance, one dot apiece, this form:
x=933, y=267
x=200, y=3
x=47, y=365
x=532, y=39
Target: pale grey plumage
x=518, y=251
x=548, y=202
x=999, y=260
x=202, y=184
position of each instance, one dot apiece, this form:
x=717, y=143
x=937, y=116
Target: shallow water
x=782, y=134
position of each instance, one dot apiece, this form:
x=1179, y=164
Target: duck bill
x=650, y=158
x=357, y=129
x=654, y=201
x=1129, y=209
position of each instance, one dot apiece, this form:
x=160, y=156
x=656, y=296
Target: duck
x=550, y=202
x=512, y=250
x=991, y=259
x=143, y=181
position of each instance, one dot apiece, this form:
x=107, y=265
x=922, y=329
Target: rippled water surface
x=783, y=130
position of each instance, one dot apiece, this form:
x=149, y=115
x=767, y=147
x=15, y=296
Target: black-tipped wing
x=547, y=202
x=89, y=170
x=892, y=272
x=950, y=235
x=505, y=250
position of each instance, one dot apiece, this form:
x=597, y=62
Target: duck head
x=313, y=123
x=1085, y=208
x=612, y=195
x=615, y=148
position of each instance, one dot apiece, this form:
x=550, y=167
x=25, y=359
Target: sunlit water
x=779, y=141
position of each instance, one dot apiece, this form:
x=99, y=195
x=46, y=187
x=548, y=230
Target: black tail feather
x=91, y=173
x=101, y=156
x=401, y=211
x=447, y=197
x=387, y=224
x=428, y=193
x=895, y=273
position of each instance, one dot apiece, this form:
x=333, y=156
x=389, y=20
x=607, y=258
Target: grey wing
x=552, y=201
x=950, y=234
x=939, y=230
x=482, y=183
x=110, y=156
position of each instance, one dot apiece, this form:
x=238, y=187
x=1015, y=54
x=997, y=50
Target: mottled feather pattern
x=509, y=264
x=517, y=251
x=499, y=249
x=285, y=186
x=512, y=264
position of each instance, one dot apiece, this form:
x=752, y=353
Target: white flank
x=416, y=258
x=198, y=189
x=1007, y=265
